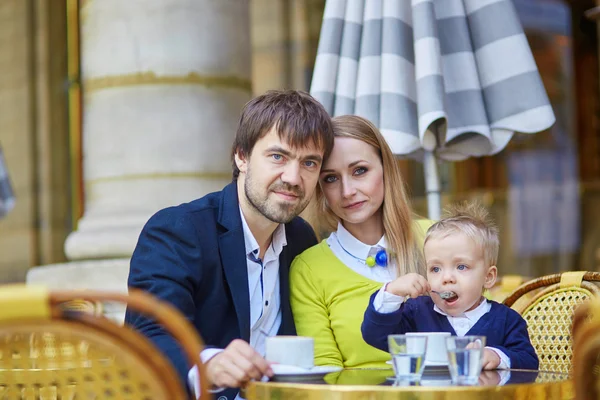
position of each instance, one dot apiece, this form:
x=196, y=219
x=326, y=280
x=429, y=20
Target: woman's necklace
x=380, y=258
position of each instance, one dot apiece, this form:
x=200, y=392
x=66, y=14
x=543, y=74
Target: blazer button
x=222, y=398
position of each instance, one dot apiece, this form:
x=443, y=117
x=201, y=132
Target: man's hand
x=491, y=359
x=412, y=285
x=236, y=365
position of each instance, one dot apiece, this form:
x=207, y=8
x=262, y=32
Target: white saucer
x=290, y=373
x=436, y=364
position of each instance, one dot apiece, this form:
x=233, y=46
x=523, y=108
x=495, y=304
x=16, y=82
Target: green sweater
x=328, y=302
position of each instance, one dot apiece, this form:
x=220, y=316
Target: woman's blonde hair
x=398, y=225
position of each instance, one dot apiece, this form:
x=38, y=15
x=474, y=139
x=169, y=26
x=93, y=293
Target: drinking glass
x=465, y=358
x=408, y=356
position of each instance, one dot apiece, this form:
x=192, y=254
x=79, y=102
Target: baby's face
x=455, y=263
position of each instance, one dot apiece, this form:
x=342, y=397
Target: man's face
x=279, y=180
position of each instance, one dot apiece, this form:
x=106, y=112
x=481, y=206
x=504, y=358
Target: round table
x=379, y=384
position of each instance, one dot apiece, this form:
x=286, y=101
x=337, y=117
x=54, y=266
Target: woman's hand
x=411, y=285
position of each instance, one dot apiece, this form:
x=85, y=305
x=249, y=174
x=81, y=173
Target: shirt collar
x=472, y=315
x=355, y=246
x=278, y=239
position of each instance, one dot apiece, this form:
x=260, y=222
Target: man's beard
x=279, y=212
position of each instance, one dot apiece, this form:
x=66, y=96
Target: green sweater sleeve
x=311, y=315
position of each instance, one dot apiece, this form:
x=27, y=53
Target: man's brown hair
x=299, y=119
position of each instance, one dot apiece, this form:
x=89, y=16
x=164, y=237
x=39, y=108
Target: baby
x=460, y=252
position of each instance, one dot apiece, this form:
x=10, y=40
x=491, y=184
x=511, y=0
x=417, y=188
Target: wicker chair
x=586, y=351
x=549, y=313
x=48, y=351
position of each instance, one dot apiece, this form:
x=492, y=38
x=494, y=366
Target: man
x=223, y=259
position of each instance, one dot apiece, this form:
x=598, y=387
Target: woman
x=362, y=197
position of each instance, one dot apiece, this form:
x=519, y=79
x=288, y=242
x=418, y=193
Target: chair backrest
x=586, y=351
x=549, y=313
x=48, y=351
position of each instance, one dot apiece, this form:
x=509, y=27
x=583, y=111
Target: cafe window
x=543, y=189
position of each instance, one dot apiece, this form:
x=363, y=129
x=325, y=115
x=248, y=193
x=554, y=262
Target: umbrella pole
x=432, y=186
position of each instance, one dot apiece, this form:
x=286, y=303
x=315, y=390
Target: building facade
x=113, y=110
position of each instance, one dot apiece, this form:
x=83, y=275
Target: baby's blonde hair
x=475, y=222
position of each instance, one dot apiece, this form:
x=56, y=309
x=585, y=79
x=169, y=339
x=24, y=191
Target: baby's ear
x=491, y=276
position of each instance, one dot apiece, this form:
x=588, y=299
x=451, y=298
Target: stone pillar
x=164, y=82
x=18, y=234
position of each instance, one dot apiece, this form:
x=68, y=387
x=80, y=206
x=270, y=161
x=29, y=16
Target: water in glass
x=409, y=366
x=465, y=365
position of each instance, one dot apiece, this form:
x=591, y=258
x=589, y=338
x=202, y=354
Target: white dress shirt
x=353, y=253
x=265, y=299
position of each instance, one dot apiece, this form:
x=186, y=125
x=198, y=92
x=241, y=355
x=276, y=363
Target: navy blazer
x=194, y=256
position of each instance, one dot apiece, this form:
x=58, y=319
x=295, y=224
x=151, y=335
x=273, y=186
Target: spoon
x=445, y=295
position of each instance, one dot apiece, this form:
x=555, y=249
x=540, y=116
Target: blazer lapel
x=287, y=321
x=233, y=256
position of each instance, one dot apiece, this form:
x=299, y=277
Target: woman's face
x=352, y=182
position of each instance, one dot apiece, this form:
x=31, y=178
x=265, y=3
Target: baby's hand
x=491, y=359
x=412, y=285
x=489, y=378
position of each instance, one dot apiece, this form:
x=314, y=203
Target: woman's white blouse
x=349, y=250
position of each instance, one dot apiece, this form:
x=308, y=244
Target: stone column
x=164, y=82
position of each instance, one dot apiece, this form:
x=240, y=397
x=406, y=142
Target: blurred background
x=103, y=123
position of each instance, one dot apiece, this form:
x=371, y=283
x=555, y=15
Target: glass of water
x=465, y=358
x=408, y=356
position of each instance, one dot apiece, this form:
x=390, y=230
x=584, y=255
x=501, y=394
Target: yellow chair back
x=48, y=351
x=549, y=314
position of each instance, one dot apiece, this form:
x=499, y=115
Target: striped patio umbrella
x=442, y=79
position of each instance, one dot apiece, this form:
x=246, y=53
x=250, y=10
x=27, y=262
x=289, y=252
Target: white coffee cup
x=436, y=346
x=291, y=350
